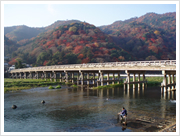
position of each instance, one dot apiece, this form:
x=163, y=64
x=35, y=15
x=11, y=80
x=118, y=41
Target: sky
x=42, y=15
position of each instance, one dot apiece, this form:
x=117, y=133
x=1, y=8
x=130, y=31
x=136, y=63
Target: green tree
x=19, y=64
x=42, y=57
x=71, y=58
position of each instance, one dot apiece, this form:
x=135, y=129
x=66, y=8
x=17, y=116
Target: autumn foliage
x=149, y=37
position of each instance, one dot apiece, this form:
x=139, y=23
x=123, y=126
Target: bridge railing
x=99, y=65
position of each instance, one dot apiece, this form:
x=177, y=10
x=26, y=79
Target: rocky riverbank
x=145, y=122
x=170, y=128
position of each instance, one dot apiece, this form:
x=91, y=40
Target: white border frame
x=88, y=2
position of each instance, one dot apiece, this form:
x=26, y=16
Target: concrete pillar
x=118, y=77
x=173, y=81
x=25, y=75
x=101, y=77
x=113, y=79
x=50, y=76
x=42, y=76
x=20, y=75
x=128, y=80
x=139, y=80
x=143, y=80
x=66, y=75
x=82, y=78
x=87, y=78
x=45, y=76
x=107, y=78
x=93, y=78
x=37, y=75
x=164, y=81
x=31, y=75
x=55, y=79
x=60, y=77
x=169, y=82
x=78, y=78
x=98, y=79
x=72, y=76
x=134, y=79
x=16, y=75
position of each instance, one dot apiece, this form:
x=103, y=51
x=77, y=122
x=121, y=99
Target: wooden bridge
x=96, y=72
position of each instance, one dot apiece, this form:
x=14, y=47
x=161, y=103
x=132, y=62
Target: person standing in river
x=123, y=114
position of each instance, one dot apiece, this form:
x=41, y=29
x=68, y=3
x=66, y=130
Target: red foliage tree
x=45, y=62
x=86, y=60
x=77, y=49
x=80, y=56
x=12, y=62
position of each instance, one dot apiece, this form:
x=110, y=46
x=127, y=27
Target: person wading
x=123, y=114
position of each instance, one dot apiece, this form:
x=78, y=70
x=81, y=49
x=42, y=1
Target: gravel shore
x=170, y=128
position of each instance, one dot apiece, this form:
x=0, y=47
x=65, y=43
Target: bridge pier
x=77, y=78
x=30, y=75
x=20, y=75
x=93, y=78
x=55, y=76
x=36, y=75
x=101, y=77
x=134, y=82
x=113, y=79
x=118, y=77
x=66, y=76
x=107, y=78
x=172, y=81
x=139, y=81
x=134, y=79
x=88, y=78
x=45, y=75
x=170, y=84
x=25, y=75
x=82, y=77
x=60, y=76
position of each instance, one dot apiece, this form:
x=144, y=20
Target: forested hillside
x=72, y=43
x=149, y=37
x=22, y=34
x=9, y=47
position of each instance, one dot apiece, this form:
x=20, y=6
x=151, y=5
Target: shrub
x=58, y=86
x=51, y=87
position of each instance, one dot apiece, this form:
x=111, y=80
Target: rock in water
x=43, y=101
x=14, y=107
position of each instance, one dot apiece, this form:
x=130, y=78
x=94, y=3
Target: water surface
x=82, y=109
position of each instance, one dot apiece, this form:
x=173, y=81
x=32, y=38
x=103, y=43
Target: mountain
x=149, y=37
x=23, y=33
x=152, y=33
x=72, y=43
x=9, y=46
x=17, y=33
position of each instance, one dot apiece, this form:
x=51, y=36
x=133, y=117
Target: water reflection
x=82, y=109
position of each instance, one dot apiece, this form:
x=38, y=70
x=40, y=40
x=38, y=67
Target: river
x=85, y=110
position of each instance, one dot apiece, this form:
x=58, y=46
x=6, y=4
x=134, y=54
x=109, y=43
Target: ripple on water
x=79, y=110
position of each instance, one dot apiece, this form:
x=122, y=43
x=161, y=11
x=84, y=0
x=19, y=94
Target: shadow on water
x=84, y=110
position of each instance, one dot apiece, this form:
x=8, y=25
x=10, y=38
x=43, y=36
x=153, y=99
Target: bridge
x=96, y=72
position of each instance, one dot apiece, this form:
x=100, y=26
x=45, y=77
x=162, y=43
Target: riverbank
x=151, y=81
x=170, y=128
x=21, y=84
x=149, y=123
